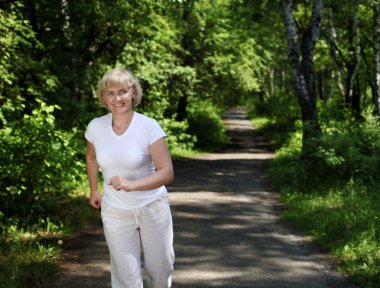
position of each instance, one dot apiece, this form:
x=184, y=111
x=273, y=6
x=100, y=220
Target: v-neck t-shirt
x=126, y=155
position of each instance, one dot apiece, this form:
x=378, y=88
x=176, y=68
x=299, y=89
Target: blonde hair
x=119, y=77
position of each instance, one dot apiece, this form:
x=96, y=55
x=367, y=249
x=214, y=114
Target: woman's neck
x=121, y=122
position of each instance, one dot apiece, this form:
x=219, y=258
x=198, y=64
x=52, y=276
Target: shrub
x=206, y=124
x=345, y=152
x=178, y=138
x=349, y=151
x=39, y=165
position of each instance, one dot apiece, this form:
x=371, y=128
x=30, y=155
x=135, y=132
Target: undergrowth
x=29, y=253
x=333, y=195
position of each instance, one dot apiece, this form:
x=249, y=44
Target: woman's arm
x=92, y=172
x=164, y=171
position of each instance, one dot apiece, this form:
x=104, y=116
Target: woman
x=132, y=152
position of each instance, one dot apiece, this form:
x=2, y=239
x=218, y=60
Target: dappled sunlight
x=216, y=88
x=227, y=227
x=237, y=156
x=209, y=275
x=210, y=198
x=187, y=234
x=190, y=215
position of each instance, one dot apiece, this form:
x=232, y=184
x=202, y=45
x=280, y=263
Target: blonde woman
x=133, y=156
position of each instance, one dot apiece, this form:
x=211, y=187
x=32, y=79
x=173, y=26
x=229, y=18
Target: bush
x=39, y=166
x=178, y=138
x=348, y=151
x=345, y=152
x=206, y=124
x=283, y=117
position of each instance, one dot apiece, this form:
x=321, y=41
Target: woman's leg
x=157, y=240
x=123, y=240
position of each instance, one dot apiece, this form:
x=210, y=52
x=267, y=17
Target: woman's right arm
x=95, y=199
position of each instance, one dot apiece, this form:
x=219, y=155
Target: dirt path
x=227, y=228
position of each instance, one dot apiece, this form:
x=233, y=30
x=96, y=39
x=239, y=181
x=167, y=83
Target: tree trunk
x=376, y=58
x=356, y=97
x=321, y=94
x=187, y=61
x=303, y=72
x=347, y=67
x=336, y=54
x=353, y=63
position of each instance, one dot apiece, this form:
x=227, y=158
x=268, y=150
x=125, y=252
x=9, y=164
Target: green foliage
x=155, y=61
x=14, y=36
x=343, y=220
x=248, y=66
x=29, y=254
x=283, y=119
x=228, y=61
x=198, y=54
x=22, y=74
x=206, y=124
x=350, y=151
x=22, y=263
x=40, y=165
x=332, y=195
x=344, y=151
x=178, y=138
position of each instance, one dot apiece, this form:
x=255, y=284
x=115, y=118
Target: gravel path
x=227, y=228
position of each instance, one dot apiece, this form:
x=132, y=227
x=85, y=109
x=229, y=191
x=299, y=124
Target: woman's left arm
x=164, y=171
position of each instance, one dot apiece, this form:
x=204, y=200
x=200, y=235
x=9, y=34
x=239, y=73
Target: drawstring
x=137, y=213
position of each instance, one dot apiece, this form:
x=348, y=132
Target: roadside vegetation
x=333, y=195
x=304, y=67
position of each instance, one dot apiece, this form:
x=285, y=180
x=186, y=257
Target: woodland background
x=308, y=72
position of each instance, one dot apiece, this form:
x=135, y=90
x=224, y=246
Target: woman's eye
x=109, y=94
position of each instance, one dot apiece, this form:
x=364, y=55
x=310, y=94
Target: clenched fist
x=119, y=183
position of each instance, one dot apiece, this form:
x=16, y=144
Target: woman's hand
x=119, y=183
x=95, y=199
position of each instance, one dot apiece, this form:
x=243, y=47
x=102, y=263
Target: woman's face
x=119, y=99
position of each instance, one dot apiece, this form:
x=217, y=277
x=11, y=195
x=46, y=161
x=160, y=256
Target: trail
x=228, y=233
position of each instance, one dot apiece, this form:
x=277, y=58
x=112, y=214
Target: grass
x=184, y=153
x=22, y=263
x=29, y=255
x=344, y=221
x=342, y=216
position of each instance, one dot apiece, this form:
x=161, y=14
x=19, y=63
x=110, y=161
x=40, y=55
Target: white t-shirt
x=126, y=155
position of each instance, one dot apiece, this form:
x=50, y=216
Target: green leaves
x=39, y=166
x=206, y=124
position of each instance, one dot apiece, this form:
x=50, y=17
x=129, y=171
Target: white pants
x=126, y=231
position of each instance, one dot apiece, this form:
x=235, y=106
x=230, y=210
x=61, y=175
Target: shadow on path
x=227, y=230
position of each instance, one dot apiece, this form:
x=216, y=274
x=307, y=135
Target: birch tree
x=346, y=55
x=303, y=70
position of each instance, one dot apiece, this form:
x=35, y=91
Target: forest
x=307, y=71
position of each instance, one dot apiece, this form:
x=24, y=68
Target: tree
x=80, y=40
x=376, y=58
x=347, y=56
x=303, y=71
